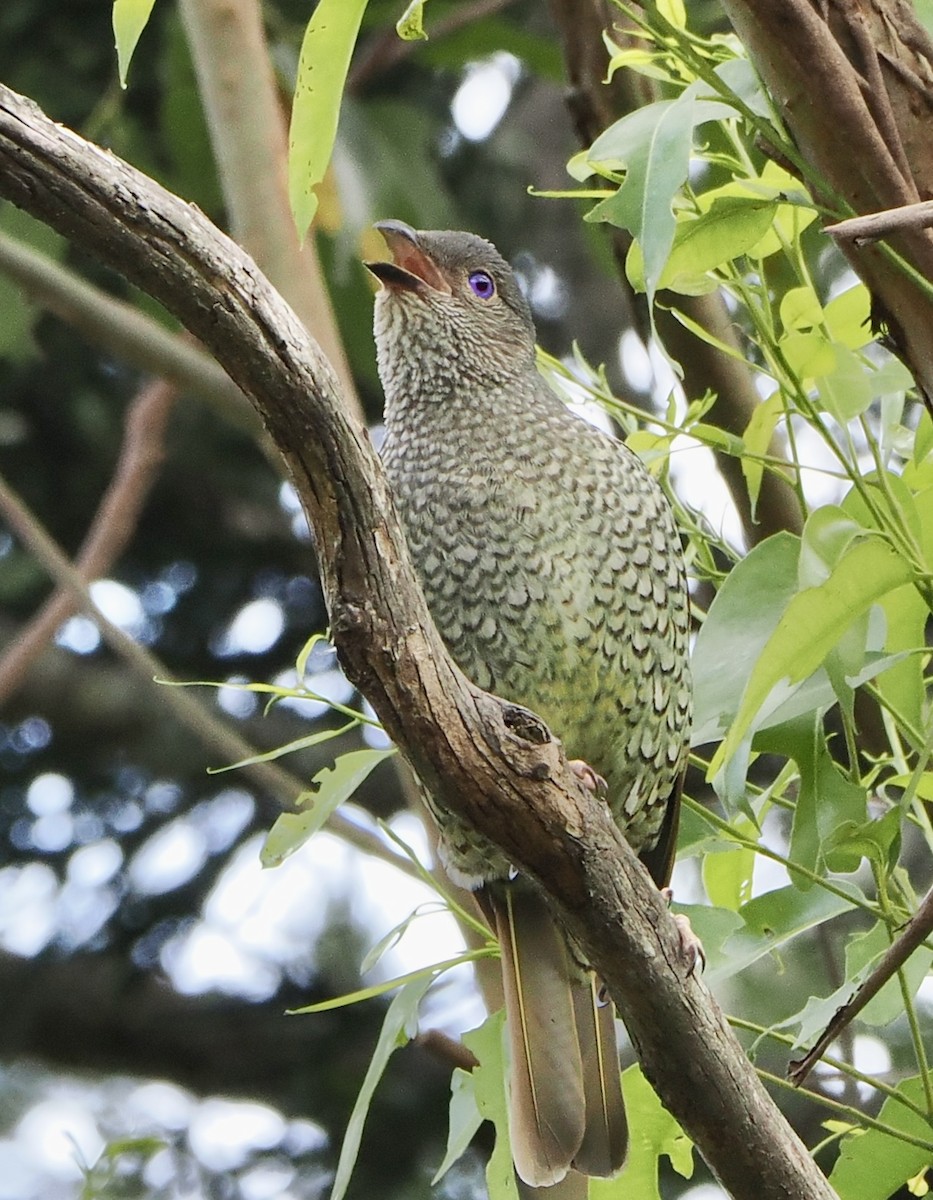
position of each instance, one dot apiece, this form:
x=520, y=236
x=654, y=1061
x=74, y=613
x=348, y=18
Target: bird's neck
x=449, y=382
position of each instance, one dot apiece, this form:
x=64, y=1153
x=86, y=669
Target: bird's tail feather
x=565, y=1098
x=605, y=1139
x=547, y=1110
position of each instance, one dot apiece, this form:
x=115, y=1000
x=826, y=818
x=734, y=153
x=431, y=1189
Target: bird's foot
x=691, y=948
x=587, y=776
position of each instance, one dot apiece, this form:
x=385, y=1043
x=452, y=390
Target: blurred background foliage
x=145, y=959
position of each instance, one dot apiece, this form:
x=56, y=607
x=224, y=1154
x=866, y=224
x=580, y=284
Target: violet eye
x=482, y=284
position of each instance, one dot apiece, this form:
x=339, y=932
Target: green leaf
x=302, y=743
x=674, y=11
x=322, y=70
x=653, y=1132
x=808, y=354
x=741, y=619
x=793, y=215
x=905, y=611
x=848, y=317
x=775, y=918
x=828, y=534
x=653, y=144
x=812, y=624
x=874, y=1165
x=465, y=1118
x=902, y=684
x=757, y=437
x=705, y=336
x=429, y=972
x=489, y=1088
x=410, y=25
x=334, y=785
x=793, y=212
x=727, y=874
x=398, y=1028
x=732, y=226
x=718, y=439
x=847, y=390
x=923, y=440
x=741, y=78
x=130, y=18
x=826, y=798
x=878, y=840
x=801, y=309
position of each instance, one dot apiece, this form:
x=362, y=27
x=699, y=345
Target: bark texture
x=853, y=80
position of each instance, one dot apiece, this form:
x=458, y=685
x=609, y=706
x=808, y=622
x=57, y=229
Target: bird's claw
x=587, y=776
x=691, y=948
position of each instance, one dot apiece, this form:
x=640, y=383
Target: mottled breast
x=553, y=570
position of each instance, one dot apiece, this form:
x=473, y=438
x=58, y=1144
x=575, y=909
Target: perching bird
x=552, y=568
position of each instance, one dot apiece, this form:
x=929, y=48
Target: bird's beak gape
x=412, y=269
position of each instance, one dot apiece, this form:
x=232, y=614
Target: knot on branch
x=519, y=736
x=525, y=725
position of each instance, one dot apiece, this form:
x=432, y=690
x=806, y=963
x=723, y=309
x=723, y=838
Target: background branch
x=249, y=135
x=127, y=333
x=113, y=526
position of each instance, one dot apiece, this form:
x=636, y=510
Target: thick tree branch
x=496, y=762
x=860, y=74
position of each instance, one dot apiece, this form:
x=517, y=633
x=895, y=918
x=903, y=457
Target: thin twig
x=874, y=226
x=919, y=926
x=112, y=528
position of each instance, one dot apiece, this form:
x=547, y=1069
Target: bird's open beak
x=413, y=270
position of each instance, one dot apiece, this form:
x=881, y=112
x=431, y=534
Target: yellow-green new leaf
x=487, y=1044
x=465, y=1119
x=811, y=626
x=322, y=71
x=129, y=20
x=757, y=438
x=410, y=25
x=398, y=1028
x=657, y=1133
x=333, y=786
x=873, y=1165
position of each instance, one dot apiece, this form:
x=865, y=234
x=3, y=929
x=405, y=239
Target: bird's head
x=449, y=311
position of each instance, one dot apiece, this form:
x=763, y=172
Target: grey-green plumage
x=552, y=568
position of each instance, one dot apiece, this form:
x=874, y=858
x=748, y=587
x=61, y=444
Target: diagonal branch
x=113, y=526
x=859, y=73
x=897, y=954
x=498, y=764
